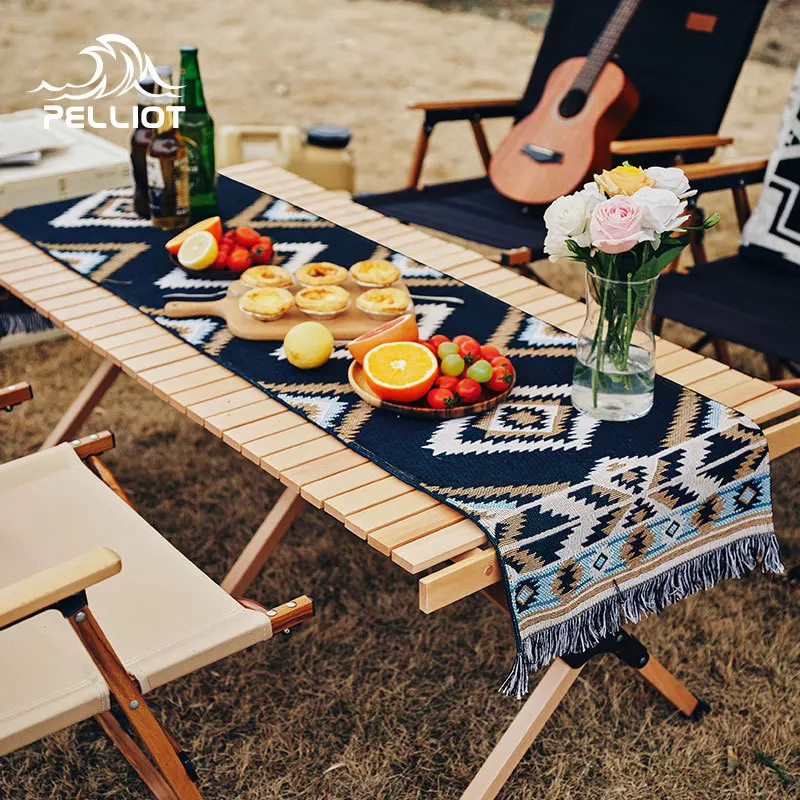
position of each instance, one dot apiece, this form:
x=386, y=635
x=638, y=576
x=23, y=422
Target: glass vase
x=614, y=372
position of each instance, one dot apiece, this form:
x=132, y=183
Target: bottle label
x=155, y=177
x=169, y=194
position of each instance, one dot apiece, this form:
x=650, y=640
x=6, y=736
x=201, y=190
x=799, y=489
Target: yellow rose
x=622, y=180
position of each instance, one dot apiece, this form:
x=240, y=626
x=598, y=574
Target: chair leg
x=136, y=757
x=266, y=538
x=126, y=692
x=83, y=405
x=522, y=732
x=419, y=155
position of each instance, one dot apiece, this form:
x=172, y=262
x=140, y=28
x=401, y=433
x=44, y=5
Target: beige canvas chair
x=97, y=609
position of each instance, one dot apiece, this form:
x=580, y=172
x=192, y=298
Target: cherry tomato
x=452, y=364
x=498, y=361
x=429, y=346
x=460, y=340
x=470, y=351
x=481, y=371
x=239, y=259
x=221, y=260
x=501, y=378
x=261, y=254
x=441, y=398
x=448, y=382
x=247, y=237
x=265, y=241
x=468, y=390
x=489, y=351
x=437, y=340
x=447, y=349
x=229, y=236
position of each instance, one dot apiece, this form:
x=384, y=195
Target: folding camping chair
x=751, y=298
x=76, y=555
x=684, y=93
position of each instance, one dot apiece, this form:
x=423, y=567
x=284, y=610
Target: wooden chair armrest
x=454, y=105
x=15, y=394
x=94, y=444
x=666, y=144
x=40, y=591
x=697, y=172
x=285, y=616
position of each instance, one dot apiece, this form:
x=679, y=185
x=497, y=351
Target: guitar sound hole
x=573, y=103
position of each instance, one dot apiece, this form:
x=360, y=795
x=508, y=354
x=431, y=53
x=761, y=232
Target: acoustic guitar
x=585, y=104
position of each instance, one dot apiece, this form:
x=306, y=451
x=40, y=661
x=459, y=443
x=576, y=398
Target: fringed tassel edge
x=585, y=630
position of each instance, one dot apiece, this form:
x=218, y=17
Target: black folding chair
x=684, y=57
x=751, y=298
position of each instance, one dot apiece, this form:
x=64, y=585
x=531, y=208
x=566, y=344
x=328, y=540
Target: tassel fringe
x=631, y=605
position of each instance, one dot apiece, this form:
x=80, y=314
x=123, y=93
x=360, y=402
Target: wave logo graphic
x=124, y=52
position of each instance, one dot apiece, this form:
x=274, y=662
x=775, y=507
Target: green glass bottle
x=197, y=129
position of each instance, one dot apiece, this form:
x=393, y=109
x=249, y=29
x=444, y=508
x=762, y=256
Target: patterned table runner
x=594, y=522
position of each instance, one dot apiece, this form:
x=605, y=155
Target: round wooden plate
x=360, y=386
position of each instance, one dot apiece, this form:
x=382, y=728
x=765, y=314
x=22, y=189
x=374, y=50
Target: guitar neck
x=606, y=45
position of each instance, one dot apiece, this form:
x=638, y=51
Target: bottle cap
x=189, y=49
x=334, y=137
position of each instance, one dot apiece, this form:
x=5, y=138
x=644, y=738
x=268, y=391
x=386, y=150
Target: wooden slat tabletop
x=417, y=532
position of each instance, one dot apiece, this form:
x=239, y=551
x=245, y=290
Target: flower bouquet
x=626, y=227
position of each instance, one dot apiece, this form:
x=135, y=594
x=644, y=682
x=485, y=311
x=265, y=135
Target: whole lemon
x=308, y=345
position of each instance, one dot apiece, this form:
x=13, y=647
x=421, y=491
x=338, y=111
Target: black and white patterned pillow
x=773, y=231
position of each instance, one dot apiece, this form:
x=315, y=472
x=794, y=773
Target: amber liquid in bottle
x=140, y=142
x=168, y=176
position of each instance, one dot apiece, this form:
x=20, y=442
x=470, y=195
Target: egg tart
x=266, y=304
x=266, y=275
x=384, y=303
x=374, y=274
x=321, y=273
x=322, y=302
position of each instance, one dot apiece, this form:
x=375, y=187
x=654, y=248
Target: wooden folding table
x=420, y=534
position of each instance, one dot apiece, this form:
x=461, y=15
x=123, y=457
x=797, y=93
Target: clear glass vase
x=614, y=370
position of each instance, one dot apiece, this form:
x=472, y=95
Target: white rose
x=671, y=178
x=567, y=218
x=662, y=211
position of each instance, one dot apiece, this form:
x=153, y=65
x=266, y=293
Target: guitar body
x=565, y=150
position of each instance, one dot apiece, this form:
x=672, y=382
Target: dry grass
x=403, y=704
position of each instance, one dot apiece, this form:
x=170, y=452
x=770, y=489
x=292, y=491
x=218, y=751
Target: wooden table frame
x=420, y=534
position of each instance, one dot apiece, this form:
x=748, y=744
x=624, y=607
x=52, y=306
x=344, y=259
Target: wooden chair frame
x=159, y=761
x=424, y=537
x=475, y=111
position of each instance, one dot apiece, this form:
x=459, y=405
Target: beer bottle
x=140, y=141
x=167, y=172
x=197, y=129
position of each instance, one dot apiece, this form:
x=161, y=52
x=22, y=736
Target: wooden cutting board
x=348, y=325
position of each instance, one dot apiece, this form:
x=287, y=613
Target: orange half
x=213, y=225
x=401, y=329
x=400, y=371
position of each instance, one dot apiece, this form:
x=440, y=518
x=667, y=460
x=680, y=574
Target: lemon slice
x=198, y=251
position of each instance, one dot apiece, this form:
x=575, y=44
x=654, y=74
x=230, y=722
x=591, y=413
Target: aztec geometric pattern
x=594, y=522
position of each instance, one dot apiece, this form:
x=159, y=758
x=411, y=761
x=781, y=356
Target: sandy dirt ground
x=373, y=699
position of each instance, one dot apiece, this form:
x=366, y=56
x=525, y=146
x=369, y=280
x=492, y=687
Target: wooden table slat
x=317, y=492
x=370, y=519
x=407, y=530
x=218, y=424
x=438, y=546
x=321, y=468
x=344, y=505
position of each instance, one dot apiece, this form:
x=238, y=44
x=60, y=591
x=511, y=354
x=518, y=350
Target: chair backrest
x=684, y=57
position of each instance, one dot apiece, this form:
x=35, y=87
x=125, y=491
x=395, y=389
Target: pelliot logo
x=138, y=66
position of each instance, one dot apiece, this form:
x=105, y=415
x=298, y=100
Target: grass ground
x=374, y=700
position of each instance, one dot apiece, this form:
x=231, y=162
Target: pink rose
x=616, y=225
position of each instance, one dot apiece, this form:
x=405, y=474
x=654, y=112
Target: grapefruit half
x=402, y=329
x=213, y=225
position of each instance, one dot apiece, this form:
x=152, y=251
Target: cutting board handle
x=178, y=309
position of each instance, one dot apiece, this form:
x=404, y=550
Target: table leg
x=522, y=731
x=83, y=405
x=264, y=541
